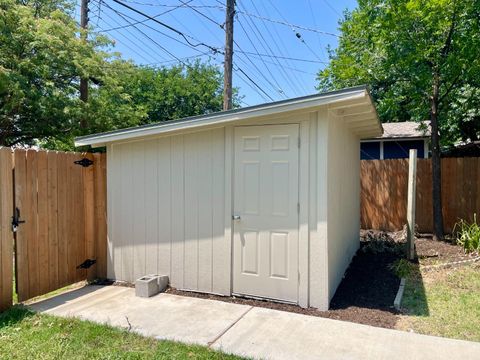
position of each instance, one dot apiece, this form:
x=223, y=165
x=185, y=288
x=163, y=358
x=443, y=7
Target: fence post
x=412, y=181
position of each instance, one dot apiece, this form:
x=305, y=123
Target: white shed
x=261, y=201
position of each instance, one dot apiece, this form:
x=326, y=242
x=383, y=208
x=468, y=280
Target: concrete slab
x=249, y=331
x=270, y=334
x=164, y=316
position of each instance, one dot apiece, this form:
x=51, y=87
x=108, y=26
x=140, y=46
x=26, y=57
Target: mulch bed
x=369, y=287
x=364, y=296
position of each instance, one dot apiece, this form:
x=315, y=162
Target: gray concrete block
x=150, y=285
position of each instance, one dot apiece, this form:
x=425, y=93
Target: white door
x=265, y=249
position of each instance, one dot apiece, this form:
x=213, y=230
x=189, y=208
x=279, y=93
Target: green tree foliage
x=42, y=58
x=422, y=61
x=396, y=46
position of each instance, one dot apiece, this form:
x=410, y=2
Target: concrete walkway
x=250, y=331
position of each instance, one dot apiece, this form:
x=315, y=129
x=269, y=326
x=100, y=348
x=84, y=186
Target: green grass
x=444, y=303
x=27, y=335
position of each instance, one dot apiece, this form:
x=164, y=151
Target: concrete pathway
x=250, y=331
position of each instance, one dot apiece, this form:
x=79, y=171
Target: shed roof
x=405, y=129
x=339, y=100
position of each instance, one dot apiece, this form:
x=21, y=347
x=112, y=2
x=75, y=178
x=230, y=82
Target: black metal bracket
x=84, y=162
x=16, y=219
x=87, y=263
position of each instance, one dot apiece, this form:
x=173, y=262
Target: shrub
x=402, y=268
x=468, y=235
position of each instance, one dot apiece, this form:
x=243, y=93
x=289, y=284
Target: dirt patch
x=432, y=252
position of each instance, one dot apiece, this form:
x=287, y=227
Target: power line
x=213, y=49
x=285, y=22
x=269, y=50
x=277, y=87
x=123, y=15
x=145, y=20
x=148, y=37
x=332, y=8
x=254, y=83
x=297, y=34
x=142, y=48
x=283, y=57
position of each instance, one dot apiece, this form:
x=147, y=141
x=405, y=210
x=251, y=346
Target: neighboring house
x=261, y=201
x=471, y=149
x=396, y=141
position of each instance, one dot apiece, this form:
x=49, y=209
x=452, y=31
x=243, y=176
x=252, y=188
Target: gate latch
x=16, y=220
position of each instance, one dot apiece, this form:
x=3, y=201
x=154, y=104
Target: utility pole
x=228, y=63
x=84, y=82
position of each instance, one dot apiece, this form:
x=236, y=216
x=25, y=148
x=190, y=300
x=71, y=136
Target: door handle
x=235, y=217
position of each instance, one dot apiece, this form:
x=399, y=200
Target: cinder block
x=150, y=285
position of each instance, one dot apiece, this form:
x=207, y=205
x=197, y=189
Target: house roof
x=405, y=130
x=340, y=101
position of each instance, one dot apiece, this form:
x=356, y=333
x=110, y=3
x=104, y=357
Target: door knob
x=236, y=217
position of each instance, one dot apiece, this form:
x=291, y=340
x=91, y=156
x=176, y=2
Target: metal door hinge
x=84, y=162
x=298, y=208
x=16, y=220
x=299, y=142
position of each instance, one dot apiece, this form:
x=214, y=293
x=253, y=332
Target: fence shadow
x=14, y=315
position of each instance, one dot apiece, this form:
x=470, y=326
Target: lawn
x=27, y=335
x=443, y=302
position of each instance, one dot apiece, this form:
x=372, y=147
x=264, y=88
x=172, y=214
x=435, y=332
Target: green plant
x=468, y=234
x=402, y=268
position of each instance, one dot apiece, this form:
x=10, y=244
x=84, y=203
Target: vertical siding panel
x=151, y=207
x=165, y=190
x=192, y=175
x=178, y=211
x=205, y=211
x=114, y=270
x=221, y=246
x=125, y=225
x=138, y=238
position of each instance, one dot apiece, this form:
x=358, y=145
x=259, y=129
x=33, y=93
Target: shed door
x=265, y=258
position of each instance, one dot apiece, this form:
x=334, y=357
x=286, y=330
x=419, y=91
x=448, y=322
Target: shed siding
x=167, y=210
x=343, y=200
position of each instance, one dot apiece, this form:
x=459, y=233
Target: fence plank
x=384, y=192
x=62, y=221
x=42, y=222
x=6, y=235
x=89, y=214
x=52, y=206
x=101, y=214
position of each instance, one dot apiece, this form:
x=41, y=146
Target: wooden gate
x=59, y=216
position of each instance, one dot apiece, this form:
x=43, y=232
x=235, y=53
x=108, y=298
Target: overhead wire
x=282, y=69
x=275, y=86
x=184, y=36
x=143, y=46
x=154, y=16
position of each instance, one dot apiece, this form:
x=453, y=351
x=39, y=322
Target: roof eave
x=224, y=118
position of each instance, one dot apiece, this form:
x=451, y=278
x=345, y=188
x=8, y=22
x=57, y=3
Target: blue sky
x=279, y=44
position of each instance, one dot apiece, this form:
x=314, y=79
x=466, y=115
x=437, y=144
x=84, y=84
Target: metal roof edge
x=224, y=116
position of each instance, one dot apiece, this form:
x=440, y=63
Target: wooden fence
x=384, y=193
x=63, y=206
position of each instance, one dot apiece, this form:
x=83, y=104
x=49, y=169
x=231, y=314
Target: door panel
x=265, y=259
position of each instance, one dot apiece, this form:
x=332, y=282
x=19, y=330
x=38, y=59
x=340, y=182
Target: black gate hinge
x=86, y=264
x=16, y=220
x=84, y=162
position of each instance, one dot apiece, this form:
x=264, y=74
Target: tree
x=42, y=59
x=422, y=61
